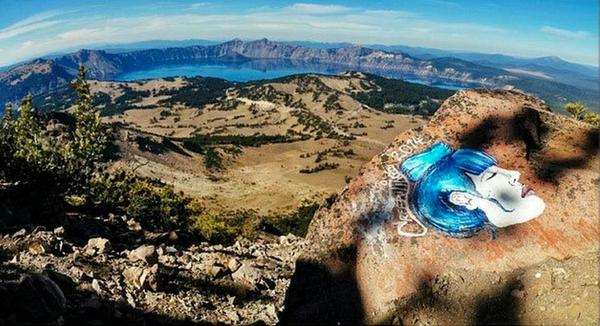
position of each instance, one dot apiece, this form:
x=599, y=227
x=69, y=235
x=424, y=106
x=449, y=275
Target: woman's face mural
x=461, y=192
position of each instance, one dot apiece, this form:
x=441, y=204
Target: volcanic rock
x=357, y=267
x=97, y=246
x=145, y=253
x=248, y=277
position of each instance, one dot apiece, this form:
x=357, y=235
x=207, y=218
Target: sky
x=528, y=28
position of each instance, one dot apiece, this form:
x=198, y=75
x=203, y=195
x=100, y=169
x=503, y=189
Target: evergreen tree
x=90, y=137
x=28, y=135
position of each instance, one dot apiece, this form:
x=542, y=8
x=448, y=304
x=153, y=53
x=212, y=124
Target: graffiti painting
x=460, y=192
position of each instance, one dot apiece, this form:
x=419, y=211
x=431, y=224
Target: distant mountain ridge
x=47, y=74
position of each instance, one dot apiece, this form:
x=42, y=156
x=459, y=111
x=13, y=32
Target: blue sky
x=564, y=28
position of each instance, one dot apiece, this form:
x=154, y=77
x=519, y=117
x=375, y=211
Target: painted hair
x=439, y=171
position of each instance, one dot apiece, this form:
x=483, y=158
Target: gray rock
x=154, y=279
x=19, y=233
x=149, y=278
x=59, y=231
x=247, y=276
x=97, y=287
x=233, y=316
x=38, y=248
x=97, y=246
x=233, y=264
x=146, y=253
x=216, y=271
x=135, y=276
x=134, y=226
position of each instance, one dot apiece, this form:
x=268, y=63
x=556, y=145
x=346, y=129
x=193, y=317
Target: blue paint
x=439, y=171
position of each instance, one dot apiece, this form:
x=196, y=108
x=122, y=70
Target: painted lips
x=526, y=191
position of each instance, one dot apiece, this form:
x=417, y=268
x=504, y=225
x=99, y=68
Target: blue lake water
x=266, y=69
x=228, y=72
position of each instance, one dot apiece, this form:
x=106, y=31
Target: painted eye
x=491, y=176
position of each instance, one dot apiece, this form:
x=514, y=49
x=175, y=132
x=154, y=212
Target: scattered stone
x=145, y=253
x=38, y=248
x=247, y=276
x=19, y=233
x=96, y=286
x=154, y=279
x=59, y=231
x=134, y=226
x=96, y=246
x=173, y=236
x=216, y=271
x=171, y=250
x=233, y=264
x=135, y=276
x=233, y=316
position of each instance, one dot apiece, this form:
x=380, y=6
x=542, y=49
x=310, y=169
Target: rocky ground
x=110, y=270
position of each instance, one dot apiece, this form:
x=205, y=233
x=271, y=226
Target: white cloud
x=36, y=18
x=317, y=9
x=198, y=5
x=16, y=30
x=26, y=45
x=578, y=35
x=79, y=34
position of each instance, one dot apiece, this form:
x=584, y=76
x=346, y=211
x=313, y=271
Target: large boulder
x=382, y=254
x=39, y=299
x=96, y=246
x=144, y=253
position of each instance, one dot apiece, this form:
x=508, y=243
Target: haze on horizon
x=531, y=28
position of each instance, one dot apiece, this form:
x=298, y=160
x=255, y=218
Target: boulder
x=145, y=253
x=97, y=246
x=59, y=231
x=38, y=248
x=135, y=276
x=374, y=257
x=247, y=277
x=233, y=264
x=153, y=278
x=39, y=299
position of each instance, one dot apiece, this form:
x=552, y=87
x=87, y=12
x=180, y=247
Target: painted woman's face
x=502, y=189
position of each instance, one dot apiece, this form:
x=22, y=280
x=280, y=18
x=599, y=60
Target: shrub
x=156, y=205
x=577, y=110
x=225, y=227
x=580, y=112
x=212, y=159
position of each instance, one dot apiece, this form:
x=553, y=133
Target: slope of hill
x=104, y=65
x=266, y=145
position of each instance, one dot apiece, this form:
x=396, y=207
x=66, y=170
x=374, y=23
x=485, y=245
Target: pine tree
x=28, y=134
x=7, y=141
x=90, y=137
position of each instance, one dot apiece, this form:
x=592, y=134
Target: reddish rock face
x=359, y=268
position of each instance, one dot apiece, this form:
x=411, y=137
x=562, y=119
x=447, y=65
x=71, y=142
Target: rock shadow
x=319, y=295
x=529, y=128
x=502, y=308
